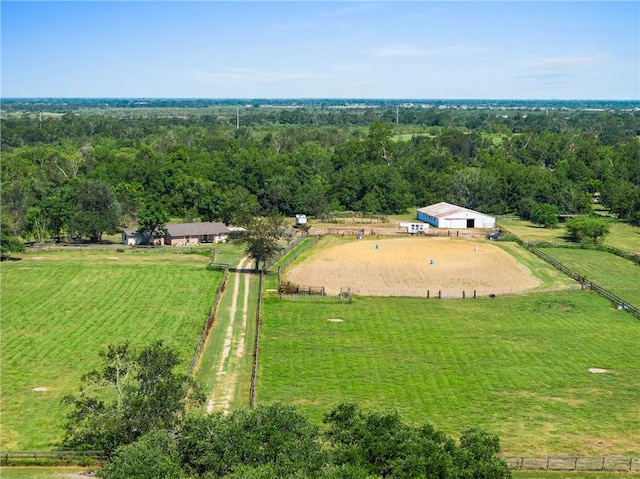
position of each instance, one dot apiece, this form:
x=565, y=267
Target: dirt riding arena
x=417, y=266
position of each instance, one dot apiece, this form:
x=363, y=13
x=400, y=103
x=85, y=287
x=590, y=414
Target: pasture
x=618, y=275
x=421, y=266
x=551, y=373
x=61, y=307
x=621, y=235
x=524, y=367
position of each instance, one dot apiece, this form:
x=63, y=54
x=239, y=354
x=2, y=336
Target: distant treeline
x=72, y=104
x=313, y=159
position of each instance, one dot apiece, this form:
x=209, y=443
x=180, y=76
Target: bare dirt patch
x=597, y=370
x=414, y=267
x=40, y=389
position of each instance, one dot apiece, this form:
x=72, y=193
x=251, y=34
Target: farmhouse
x=181, y=234
x=446, y=215
x=187, y=234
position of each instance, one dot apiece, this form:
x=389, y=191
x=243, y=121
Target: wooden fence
x=615, y=300
x=573, y=463
x=256, y=345
x=274, y=259
x=635, y=257
x=316, y=298
x=7, y=457
x=210, y=319
x=546, y=463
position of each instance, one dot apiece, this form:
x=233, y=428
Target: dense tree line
x=203, y=167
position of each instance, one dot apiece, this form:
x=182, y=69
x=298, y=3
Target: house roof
x=447, y=210
x=196, y=229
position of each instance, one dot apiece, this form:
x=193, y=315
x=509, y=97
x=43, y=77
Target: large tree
x=96, y=211
x=587, y=229
x=132, y=394
x=545, y=215
x=262, y=238
x=9, y=242
x=152, y=220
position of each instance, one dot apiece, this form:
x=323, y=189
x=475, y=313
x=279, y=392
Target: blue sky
x=325, y=49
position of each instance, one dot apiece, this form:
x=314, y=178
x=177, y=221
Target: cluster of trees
x=146, y=432
x=202, y=168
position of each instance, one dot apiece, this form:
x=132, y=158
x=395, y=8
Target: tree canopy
x=276, y=441
x=85, y=173
x=144, y=394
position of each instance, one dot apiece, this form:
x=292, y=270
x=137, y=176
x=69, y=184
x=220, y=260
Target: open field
x=60, y=308
x=20, y=472
x=621, y=235
x=617, y=275
x=516, y=366
x=416, y=266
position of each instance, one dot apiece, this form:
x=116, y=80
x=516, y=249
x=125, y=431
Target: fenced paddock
x=414, y=266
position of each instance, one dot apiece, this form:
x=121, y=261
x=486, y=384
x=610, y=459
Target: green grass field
x=617, y=275
x=516, y=366
x=60, y=308
x=621, y=235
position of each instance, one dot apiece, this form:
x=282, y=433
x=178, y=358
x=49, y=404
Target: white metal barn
x=446, y=215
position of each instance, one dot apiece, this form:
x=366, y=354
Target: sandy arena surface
x=413, y=266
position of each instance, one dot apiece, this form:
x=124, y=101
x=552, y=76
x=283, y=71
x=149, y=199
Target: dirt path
x=230, y=362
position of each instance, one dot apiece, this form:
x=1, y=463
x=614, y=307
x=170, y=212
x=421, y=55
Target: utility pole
x=397, y=116
x=237, y=118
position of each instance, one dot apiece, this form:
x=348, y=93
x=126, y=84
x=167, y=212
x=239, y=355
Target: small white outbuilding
x=446, y=215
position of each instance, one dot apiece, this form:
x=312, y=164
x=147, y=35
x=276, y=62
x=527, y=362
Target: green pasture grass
x=574, y=475
x=624, y=236
x=26, y=472
x=515, y=366
x=206, y=373
x=61, y=308
x=529, y=231
x=495, y=138
x=621, y=235
x=614, y=273
x=230, y=253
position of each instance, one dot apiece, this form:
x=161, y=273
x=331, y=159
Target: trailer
x=301, y=220
x=415, y=228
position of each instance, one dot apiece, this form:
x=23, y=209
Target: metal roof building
x=446, y=215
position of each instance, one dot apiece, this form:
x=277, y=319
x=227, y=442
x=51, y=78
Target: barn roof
x=196, y=229
x=447, y=210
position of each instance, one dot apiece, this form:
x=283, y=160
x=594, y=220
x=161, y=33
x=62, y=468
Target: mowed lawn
x=515, y=366
x=60, y=308
x=615, y=274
